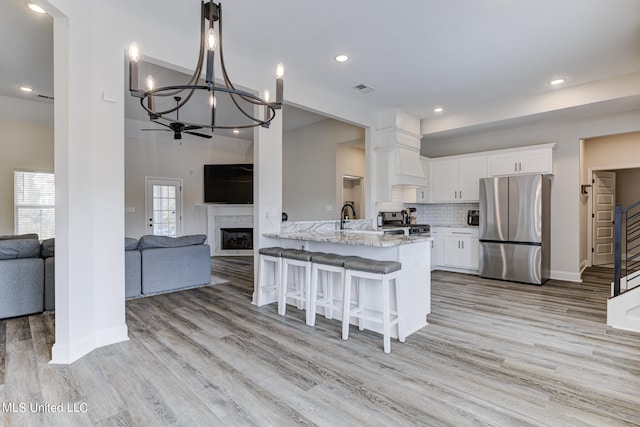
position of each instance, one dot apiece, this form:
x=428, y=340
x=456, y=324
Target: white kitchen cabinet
x=422, y=193
x=457, y=180
x=539, y=160
x=461, y=248
x=437, y=247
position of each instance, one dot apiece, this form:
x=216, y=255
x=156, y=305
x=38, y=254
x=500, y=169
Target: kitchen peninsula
x=413, y=252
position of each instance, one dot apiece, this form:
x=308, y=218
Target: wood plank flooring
x=494, y=353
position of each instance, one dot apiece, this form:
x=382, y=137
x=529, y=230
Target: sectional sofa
x=153, y=264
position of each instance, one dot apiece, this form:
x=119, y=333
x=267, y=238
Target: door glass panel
x=164, y=210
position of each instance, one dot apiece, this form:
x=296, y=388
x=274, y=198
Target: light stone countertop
x=352, y=237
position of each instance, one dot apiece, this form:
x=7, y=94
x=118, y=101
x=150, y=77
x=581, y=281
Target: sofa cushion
x=20, y=236
x=19, y=248
x=130, y=244
x=48, y=248
x=149, y=241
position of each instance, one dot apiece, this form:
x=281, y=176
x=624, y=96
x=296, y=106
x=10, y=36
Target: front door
x=604, y=202
x=164, y=206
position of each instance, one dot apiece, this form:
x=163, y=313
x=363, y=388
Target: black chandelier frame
x=211, y=12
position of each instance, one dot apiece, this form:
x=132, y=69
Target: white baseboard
x=567, y=276
x=65, y=354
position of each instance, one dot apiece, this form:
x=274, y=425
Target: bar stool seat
x=267, y=289
x=385, y=272
x=327, y=264
x=301, y=261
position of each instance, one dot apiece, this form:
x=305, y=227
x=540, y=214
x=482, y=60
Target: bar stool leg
x=282, y=295
x=346, y=305
x=307, y=294
x=360, y=302
x=386, y=315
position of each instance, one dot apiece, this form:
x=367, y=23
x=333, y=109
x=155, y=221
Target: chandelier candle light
x=243, y=101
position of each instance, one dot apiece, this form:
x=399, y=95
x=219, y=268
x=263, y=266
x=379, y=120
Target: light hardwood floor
x=495, y=353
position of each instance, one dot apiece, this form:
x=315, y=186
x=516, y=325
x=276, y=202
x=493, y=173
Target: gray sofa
x=132, y=268
x=171, y=263
x=153, y=265
x=21, y=276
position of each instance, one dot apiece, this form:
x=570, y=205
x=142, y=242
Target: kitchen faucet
x=343, y=217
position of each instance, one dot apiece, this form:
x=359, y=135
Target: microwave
x=473, y=217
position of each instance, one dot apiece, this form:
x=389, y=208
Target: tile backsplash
x=443, y=213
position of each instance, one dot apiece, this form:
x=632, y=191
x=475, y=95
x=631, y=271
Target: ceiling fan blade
x=163, y=130
x=192, y=127
x=198, y=134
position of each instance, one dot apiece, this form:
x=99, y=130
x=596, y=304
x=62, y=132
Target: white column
x=89, y=167
x=267, y=174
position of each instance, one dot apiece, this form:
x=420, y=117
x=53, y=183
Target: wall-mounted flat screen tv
x=228, y=184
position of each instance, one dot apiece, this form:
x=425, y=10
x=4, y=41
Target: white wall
x=566, y=205
x=309, y=169
x=25, y=146
x=160, y=156
x=627, y=186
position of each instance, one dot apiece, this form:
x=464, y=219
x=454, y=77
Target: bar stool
x=385, y=272
x=328, y=265
x=266, y=286
x=301, y=261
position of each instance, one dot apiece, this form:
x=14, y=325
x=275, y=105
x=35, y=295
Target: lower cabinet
x=437, y=247
x=461, y=248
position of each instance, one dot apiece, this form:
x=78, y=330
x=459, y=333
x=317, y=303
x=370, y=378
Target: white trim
x=567, y=276
x=67, y=354
x=179, y=210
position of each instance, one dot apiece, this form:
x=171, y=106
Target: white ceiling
x=464, y=55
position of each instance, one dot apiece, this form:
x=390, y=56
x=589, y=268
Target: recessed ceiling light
x=26, y=89
x=236, y=131
x=556, y=82
x=35, y=8
x=438, y=109
x=342, y=58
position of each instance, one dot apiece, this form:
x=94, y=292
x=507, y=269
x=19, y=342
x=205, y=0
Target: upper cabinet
x=456, y=179
x=423, y=195
x=524, y=161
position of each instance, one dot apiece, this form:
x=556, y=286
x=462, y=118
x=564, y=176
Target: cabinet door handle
x=520, y=166
x=515, y=167
x=461, y=194
x=462, y=244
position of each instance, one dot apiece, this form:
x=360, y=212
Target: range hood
x=409, y=171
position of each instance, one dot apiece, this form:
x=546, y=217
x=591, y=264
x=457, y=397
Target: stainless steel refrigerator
x=514, y=228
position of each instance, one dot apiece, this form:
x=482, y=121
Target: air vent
x=363, y=88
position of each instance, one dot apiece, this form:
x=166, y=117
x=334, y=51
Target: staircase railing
x=626, y=229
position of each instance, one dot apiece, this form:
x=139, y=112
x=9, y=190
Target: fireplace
x=236, y=238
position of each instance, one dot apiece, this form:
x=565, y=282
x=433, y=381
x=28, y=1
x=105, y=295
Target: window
x=34, y=201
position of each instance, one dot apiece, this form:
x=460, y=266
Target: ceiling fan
x=178, y=128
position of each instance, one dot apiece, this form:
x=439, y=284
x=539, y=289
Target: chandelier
x=245, y=102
